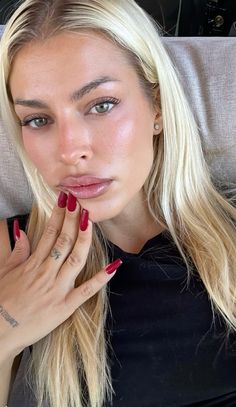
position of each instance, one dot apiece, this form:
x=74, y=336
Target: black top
x=166, y=350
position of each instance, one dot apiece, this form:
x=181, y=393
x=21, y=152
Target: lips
x=86, y=187
x=83, y=180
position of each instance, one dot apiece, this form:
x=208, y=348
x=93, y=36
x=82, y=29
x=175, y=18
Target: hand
x=37, y=291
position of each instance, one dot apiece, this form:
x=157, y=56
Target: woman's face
x=84, y=113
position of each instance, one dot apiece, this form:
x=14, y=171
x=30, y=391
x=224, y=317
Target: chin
x=100, y=212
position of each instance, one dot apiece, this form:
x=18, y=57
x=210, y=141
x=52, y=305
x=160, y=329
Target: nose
x=74, y=144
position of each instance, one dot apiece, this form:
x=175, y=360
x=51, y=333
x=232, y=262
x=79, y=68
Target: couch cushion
x=207, y=67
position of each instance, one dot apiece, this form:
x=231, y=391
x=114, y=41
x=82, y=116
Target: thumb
x=21, y=251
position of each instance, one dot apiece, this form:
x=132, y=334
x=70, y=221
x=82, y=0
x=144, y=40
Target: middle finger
x=65, y=241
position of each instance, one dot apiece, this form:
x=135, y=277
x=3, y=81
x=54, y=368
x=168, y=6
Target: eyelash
x=114, y=101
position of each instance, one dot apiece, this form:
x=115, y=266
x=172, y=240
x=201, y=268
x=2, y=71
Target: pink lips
x=82, y=181
x=85, y=187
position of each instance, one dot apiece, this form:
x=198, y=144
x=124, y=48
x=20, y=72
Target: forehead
x=66, y=42
x=68, y=55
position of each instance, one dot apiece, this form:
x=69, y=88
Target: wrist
x=7, y=351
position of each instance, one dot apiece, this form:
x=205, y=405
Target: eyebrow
x=77, y=95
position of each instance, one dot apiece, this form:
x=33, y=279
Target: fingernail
x=16, y=230
x=62, y=200
x=113, y=266
x=83, y=223
x=71, y=203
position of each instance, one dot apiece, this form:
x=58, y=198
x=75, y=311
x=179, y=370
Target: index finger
x=90, y=287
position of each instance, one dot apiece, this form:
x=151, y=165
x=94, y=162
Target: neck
x=132, y=228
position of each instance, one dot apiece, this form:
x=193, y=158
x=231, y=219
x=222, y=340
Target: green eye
x=36, y=123
x=102, y=107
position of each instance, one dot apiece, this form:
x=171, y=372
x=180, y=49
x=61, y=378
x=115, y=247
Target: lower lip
x=89, y=191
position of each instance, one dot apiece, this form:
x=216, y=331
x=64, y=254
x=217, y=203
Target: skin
x=79, y=137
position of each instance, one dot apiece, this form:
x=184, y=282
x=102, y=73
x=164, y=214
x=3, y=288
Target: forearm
x=5, y=381
x=7, y=358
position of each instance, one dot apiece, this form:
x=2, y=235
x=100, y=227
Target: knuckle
x=51, y=231
x=64, y=240
x=19, y=252
x=87, y=290
x=32, y=263
x=74, y=260
x=101, y=278
x=19, y=249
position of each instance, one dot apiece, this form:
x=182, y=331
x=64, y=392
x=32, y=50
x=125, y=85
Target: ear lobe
x=158, y=127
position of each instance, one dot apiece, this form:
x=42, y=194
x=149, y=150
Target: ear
x=158, y=126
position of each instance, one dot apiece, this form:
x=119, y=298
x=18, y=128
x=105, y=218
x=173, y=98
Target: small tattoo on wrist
x=55, y=253
x=8, y=317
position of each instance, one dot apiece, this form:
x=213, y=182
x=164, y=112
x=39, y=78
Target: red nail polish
x=71, y=203
x=62, y=200
x=16, y=230
x=83, y=223
x=113, y=266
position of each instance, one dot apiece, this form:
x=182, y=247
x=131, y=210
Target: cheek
x=128, y=138
x=37, y=153
x=123, y=141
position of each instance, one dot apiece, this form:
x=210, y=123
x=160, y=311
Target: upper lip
x=75, y=181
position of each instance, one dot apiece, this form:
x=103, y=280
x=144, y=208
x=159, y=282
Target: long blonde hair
x=69, y=366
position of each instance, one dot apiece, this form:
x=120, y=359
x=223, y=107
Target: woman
x=114, y=158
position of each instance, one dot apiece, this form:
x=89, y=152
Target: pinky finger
x=88, y=289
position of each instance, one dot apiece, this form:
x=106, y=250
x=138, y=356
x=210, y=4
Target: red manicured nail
x=62, y=200
x=16, y=230
x=113, y=266
x=71, y=203
x=83, y=223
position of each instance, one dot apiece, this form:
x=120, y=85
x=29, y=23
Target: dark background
x=179, y=17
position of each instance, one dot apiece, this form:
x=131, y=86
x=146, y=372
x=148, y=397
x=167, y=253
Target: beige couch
x=207, y=69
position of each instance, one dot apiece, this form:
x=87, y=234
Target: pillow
x=206, y=68
x=207, y=71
